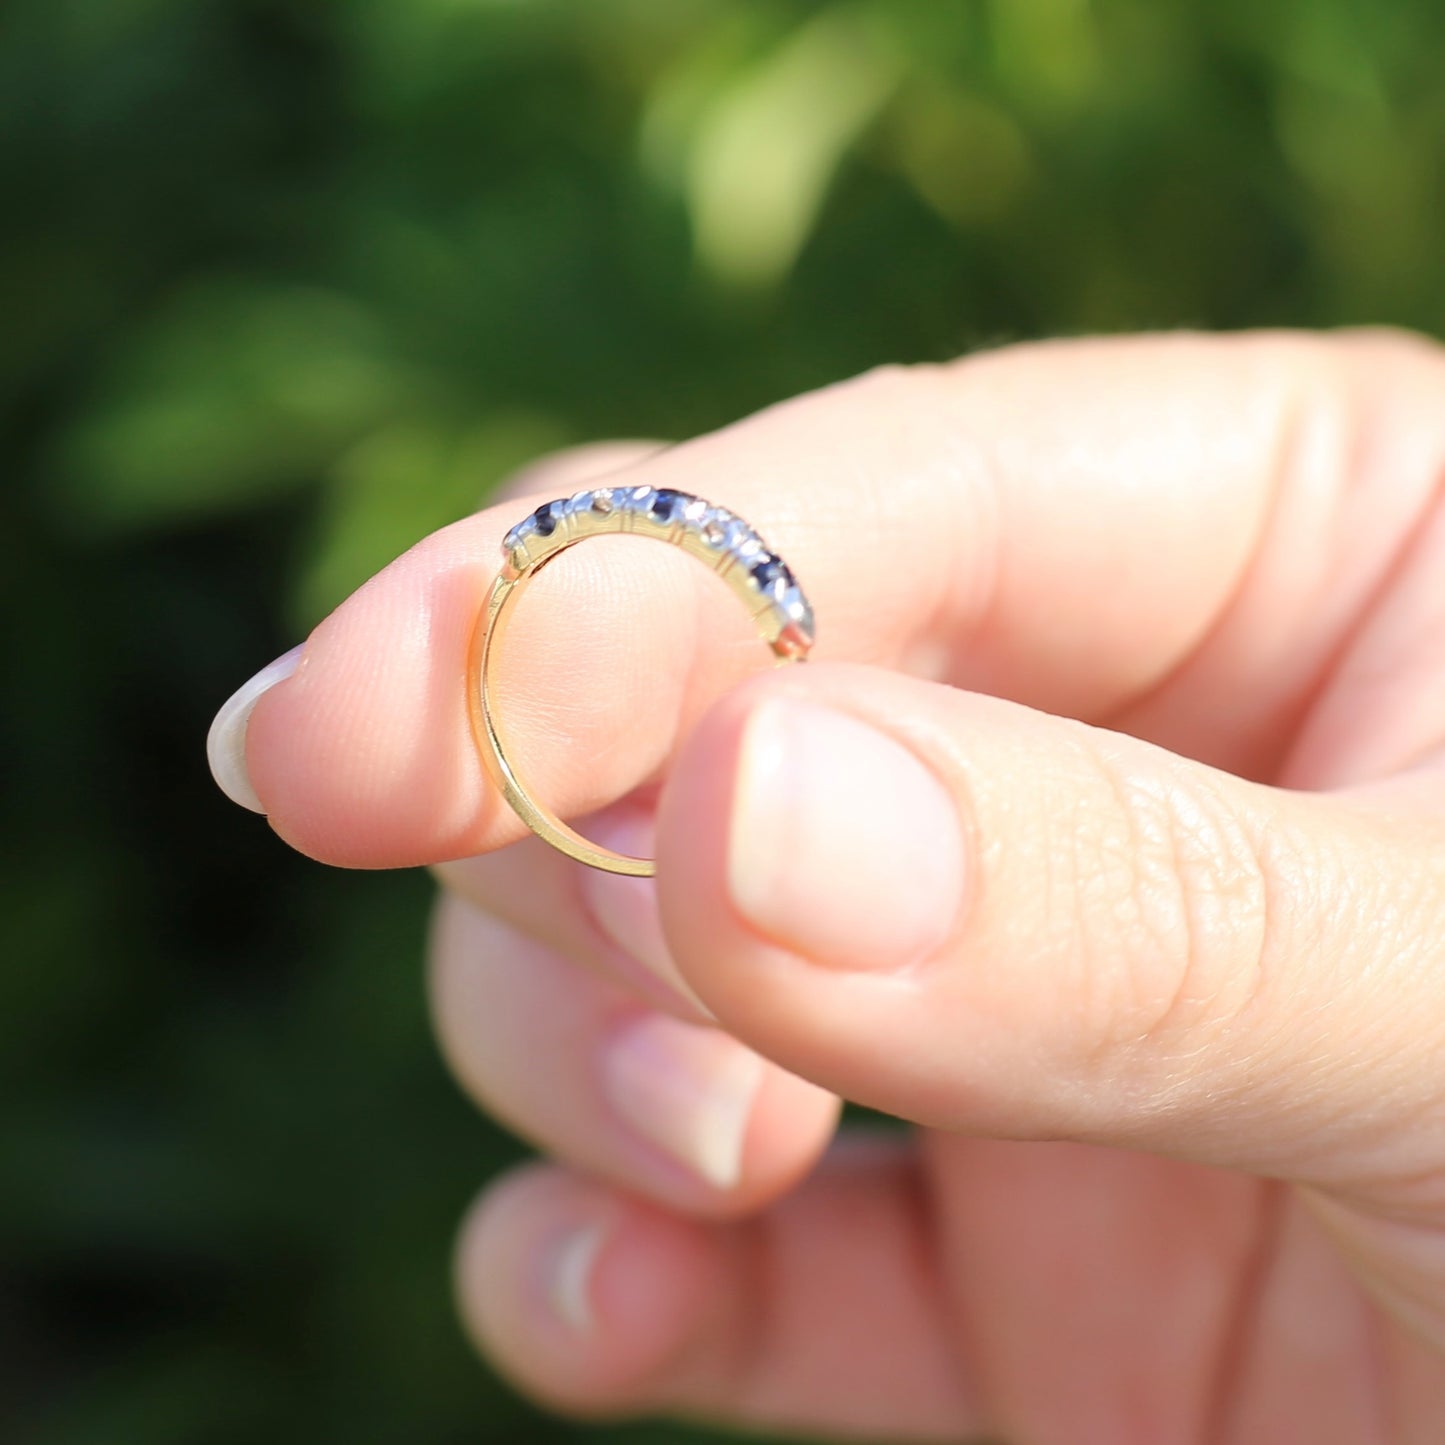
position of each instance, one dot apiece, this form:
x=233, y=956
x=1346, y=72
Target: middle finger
x=604, y=922
x=679, y=1111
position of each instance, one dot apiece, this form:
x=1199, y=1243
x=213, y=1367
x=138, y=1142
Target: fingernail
x=569, y=1275
x=688, y=1089
x=625, y=909
x=226, y=741
x=843, y=846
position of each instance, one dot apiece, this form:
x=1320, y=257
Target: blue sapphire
x=545, y=519
x=665, y=504
x=770, y=569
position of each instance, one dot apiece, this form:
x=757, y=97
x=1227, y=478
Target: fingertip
x=226, y=740
x=672, y=1110
x=792, y=1125
x=693, y=840
x=582, y=1296
x=743, y=1130
x=364, y=758
x=806, y=831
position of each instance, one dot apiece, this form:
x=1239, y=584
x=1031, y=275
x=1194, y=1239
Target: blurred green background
x=287, y=285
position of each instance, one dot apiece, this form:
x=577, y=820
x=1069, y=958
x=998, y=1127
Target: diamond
x=796, y=607
x=747, y=547
x=716, y=525
x=602, y=501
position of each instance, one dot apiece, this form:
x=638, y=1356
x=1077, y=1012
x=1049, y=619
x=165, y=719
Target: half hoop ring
x=720, y=538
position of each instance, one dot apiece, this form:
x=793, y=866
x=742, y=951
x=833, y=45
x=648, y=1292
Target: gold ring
x=728, y=545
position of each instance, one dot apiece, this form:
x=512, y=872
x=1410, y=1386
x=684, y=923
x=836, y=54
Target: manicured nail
x=843, y=846
x=625, y=909
x=569, y=1281
x=226, y=741
x=688, y=1089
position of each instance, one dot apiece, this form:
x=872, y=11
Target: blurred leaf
x=772, y=140
x=398, y=485
x=679, y=102
x=1048, y=50
x=169, y=1393
x=968, y=158
x=233, y=393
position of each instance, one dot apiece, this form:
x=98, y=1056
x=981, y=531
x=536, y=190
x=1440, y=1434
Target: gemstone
x=664, y=504
x=768, y=570
x=795, y=605
x=602, y=502
x=545, y=519
x=716, y=525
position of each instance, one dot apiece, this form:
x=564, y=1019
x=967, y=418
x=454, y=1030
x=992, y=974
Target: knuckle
x=1173, y=912
x=568, y=468
x=916, y=390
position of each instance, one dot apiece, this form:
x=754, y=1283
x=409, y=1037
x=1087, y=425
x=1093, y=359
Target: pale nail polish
x=688, y=1089
x=569, y=1285
x=226, y=741
x=843, y=845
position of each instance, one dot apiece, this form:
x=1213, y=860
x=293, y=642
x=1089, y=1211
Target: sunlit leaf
x=773, y=141
x=968, y=158
x=234, y=393
x=687, y=93
x=1048, y=50
x=401, y=483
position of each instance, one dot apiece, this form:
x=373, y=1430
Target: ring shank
x=715, y=536
x=491, y=626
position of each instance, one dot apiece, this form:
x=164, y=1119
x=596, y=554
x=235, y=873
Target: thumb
x=985, y=918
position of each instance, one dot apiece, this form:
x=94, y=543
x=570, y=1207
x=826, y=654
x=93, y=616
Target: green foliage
x=286, y=286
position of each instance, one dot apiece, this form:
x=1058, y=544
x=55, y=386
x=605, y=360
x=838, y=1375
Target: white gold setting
x=714, y=534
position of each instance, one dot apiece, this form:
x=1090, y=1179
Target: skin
x=1156, y=629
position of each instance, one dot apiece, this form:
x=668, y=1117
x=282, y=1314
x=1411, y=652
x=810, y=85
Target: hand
x=1104, y=841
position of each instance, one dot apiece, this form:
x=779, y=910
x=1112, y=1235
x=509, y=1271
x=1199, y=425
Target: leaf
x=400, y=484
x=236, y=393
x=772, y=142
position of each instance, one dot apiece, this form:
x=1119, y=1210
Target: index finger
x=1063, y=524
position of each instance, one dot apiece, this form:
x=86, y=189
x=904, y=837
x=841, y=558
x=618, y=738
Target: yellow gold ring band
x=716, y=536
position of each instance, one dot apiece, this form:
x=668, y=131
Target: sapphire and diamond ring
x=714, y=535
